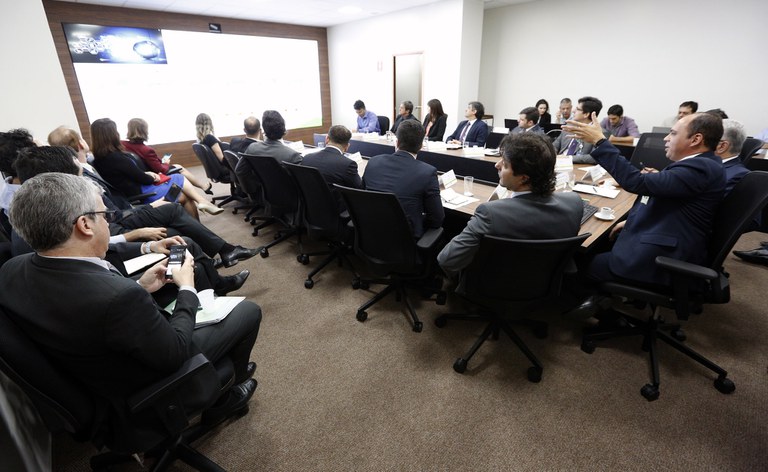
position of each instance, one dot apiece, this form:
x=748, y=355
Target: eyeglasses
x=109, y=215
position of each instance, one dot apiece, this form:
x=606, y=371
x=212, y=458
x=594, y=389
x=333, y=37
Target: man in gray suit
x=570, y=146
x=527, y=168
x=527, y=122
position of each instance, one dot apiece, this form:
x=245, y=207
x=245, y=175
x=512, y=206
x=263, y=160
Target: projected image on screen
x=226, y=76
x=114, y=44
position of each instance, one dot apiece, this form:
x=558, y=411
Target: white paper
x=448, y=179
x=592, y=190
x=137, y=264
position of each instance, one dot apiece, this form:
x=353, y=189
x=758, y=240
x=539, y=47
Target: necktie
x=464, y=132
x=572, y=147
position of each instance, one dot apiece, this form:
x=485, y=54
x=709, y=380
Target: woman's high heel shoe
x=208, y=208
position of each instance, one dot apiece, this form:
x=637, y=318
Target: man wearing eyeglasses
x=567, y=145
x=101, y=328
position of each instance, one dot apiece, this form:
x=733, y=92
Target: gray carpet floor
x=339, y=395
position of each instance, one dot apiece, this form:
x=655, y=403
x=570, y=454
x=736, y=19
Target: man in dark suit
x=413, y=181
x=527, y=168
x=674, y=212
x=473, y=131
x=104, y=329
x=405, y=112
x=568, y=145
x=527, y=122
x=274, y=129
x=332, y=164
x=252, y=128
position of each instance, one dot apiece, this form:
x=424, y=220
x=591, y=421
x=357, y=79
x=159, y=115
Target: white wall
x=647, y=55
x=32, y=88
x=361, y=58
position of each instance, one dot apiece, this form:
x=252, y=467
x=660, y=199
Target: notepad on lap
x=213, y=309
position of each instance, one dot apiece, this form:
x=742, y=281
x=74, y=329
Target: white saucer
x=605, y=218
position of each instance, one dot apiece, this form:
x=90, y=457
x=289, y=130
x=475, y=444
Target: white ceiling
x=301, y=12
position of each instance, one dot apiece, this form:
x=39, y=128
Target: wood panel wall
x=67, y=12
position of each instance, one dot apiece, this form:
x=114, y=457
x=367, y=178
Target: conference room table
x=482, y=168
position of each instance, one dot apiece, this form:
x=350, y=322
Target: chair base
x=397, y=286
x=651, y=331
x=494, y=326
x=338, y=252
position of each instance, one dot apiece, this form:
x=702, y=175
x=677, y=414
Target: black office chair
x=692, y=285
x=322, y=220
x=244, y=203
x=750, y=147
x=384, y=241
x=215, y=171
x=143, y=165
x=650, y=152
x=500, y=292
x=279, y=196
x=155, y=420
x=494, y=140
x=554, y=134
x=383, y=124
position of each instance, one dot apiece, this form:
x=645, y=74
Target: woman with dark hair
x=118, y=168
x=544, y=117
x=434, y=123
x=138, y=133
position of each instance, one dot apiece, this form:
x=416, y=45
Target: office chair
x=554, y=134
x=692, y=285
x=650, y=152
x=383, y=240
x=321, y=219
x=750, y=147
x=383, y=124
x=155, y=420
x=231, y=159
x=215, y=171
x=143, y=165
x=279, y=196
x=494, y=140
x=499, y=292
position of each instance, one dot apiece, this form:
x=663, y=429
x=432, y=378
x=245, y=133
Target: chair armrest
x=173, y=170
x=686, y=268
x=140, y=197
x=148, y=395
x=429, y=238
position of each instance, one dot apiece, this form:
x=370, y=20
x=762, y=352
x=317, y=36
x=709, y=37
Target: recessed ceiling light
x=350, y=10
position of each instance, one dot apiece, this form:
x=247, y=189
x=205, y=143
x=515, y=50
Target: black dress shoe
x=230, y=283
x=590, y=307
x=232, y=402
x=757, y=256
x=239, y=253
x=250, y=369
x=217, y=262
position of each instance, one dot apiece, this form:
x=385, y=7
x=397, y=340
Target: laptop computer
x=494, y=140
x=509, y=123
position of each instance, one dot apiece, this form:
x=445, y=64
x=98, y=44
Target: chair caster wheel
x=588, y=346
x=724, y=385
x=364, y=285
x=441, y=321
x=303, y=258
x=355, y=284
x=309, y=283
x=650, y=392
x=418, y=326
x=264, y=253
x=541, y=332
x=534, y=374
x=678, y=334
x=460, y=365
x=361, y=315
x=441, y=298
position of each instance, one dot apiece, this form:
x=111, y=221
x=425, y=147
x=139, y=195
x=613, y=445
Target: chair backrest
x=213, y=169
x=62, y=404
x=650, y=152
x=279, y=190
x=750, y=147
x=519, y=270
x=139, y=161
x=383, y=238
x=321, y=212
x=554, y=133
x=735, y=214
x=383, y=124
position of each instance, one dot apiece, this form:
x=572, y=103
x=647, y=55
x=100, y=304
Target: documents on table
x=356, y=156
x=593, y=173
x=596, y=190
x=451, y=199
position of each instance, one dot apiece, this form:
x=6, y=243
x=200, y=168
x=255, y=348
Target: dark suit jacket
x=336, y=169
x=535, y=129
x=415, y=184
x=241, y=145
x=734, y=172
x=437, y=130
x=400, y=119
x=672, y=216
x=102, y=328
x=528, y=216
x=476, y=135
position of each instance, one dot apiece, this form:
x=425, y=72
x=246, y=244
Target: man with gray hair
x=101, y=328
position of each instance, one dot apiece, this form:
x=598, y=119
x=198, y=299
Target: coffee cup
x=605, y=212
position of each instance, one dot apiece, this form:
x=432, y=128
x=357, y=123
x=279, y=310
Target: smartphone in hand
x=175, y=259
